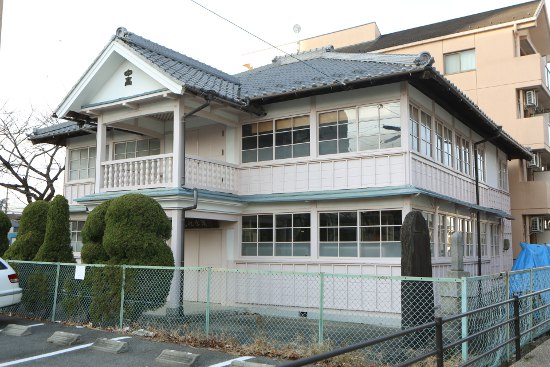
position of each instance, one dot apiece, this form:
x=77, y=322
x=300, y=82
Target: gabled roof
x=468, y=23
x=316, y=72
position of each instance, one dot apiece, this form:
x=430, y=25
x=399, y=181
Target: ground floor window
x=76, y=235
x=287, y=234
x=360, y=233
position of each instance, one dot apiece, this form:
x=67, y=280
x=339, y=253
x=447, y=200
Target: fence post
x=207, y=316
x=55, y=292
x=321, y=305
x=517, y=328
x=532, y=315
x=121, y=317
x=464, y=320
x=439, y=341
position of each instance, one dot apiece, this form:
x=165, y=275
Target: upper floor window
x=364, y=233
x=76, y=235
x=463, y=155
x=458, y=62
x=421, y=131
x=279, y=235
x=444, y=144
x=502, y=175
x=276, y=139
x=137, y=148
x=358, y=129
x=481, y=169
x=82, y=163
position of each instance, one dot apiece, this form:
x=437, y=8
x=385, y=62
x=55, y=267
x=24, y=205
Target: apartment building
x=499, y=60
x=306, y=164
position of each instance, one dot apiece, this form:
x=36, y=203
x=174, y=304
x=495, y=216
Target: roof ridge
x=128, y=37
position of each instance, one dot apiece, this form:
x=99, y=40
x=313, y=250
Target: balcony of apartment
x=534, y=195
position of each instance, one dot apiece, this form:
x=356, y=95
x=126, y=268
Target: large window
x=444, y=144
x=276, y=139
x=76, y=235
x=503, y=175
x=137, y=148
x=421, y=131
x=458, y=62
x=358, y=129
x=276, y=235
x=462, y=154
x=82, y=163
x=360, y=233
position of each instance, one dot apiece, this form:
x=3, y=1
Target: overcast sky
x=47, y=45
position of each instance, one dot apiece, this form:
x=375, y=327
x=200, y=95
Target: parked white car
x=10, y=293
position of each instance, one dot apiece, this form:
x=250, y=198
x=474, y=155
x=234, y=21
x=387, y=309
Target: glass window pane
x=391, y=249
x=390, y=217
x=301, y=235
x=452, y=63
x=468, y=60
x=346, y=145
x=367, y=128
x=265, y=249
x=328, y=133
x=328, y=249
x=265, y=235
x=327, y=118
x=300, y=150
x=368, y=113
x=348, y=234
x=265, y=126
x=120, y=148
x=248, y=129
x=328, y=219
x=283, y=249
x=283, y=220
x=265, y=221
x=74, y=155
x=91, y=152
x=302, y=220
x=283, y=235
x=250, y=235
x=154, y=144
x=348, y=218
x=73, y=175
x=390, y=141
x=250, y=221
x=265, y=140
x=301, y=121
x=283, y=124
x=348, y=250
x=142, y=145
x=83, y=153
x=249, y=249
x=370, y=249
x=390, y=110
x=347, y=116
x=283, y=138
x=302, y=249
x=327, y=147
x=369, y=142
x=283, y=152
x=328, y=234
x=392, y=233
x=249, y=156
x=265, y=154
x=300, y=136
x=370, y=234
x=370, y=218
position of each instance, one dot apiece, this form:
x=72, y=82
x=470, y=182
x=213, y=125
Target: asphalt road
x=34, y=350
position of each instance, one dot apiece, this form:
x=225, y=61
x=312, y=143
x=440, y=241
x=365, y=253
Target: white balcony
x=157, y=171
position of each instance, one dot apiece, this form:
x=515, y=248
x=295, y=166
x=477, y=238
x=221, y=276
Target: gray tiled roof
x=67, y=128
x=192, y=73
x=457, y=25
x=323, y=68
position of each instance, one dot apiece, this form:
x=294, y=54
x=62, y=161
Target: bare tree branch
x=30, y=170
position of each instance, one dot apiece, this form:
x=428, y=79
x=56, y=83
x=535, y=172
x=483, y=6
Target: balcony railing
x=143, y=172
x=156, y=171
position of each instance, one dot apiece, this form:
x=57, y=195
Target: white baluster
x=169, y=170
x=148, y=173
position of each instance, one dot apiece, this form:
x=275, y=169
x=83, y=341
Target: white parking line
x=35, y=325
x=51, y=354
x=226, y=363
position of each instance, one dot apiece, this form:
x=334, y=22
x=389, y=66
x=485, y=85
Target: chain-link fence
x=286, y=309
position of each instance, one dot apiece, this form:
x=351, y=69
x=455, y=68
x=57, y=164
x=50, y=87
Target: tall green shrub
x=5, y=225
x=57, y=240
x=32, y=229
x=92, y=251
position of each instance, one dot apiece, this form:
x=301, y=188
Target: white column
x=101, y=142
x=177, y=251
x=179, y=145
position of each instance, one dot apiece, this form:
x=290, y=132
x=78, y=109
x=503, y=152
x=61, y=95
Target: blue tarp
x=532, y=256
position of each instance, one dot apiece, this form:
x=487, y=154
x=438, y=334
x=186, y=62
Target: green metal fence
x=281, y=309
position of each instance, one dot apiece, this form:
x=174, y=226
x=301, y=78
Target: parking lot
x=34, y=350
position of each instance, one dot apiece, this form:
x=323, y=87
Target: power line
x=264, y=41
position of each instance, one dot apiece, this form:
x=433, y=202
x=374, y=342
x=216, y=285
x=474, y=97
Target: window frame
x=460, y=68
x=76, y=234
x=91, y=164
x=421, y=129
x=136, y=151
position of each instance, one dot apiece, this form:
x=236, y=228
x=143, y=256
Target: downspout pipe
x=478, y=212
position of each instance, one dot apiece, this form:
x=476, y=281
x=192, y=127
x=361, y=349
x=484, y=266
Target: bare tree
x=30, y=170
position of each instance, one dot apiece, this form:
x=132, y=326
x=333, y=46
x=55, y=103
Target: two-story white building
x=307, y=164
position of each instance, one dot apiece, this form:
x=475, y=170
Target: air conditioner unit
x=535, y=162
x=536, y=224
x=531, y=98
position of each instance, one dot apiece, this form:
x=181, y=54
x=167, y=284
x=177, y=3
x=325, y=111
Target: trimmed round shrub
x=32, y=229
x=92, y=251
x=136, y=230
x=5, y=225
x=57, y=240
